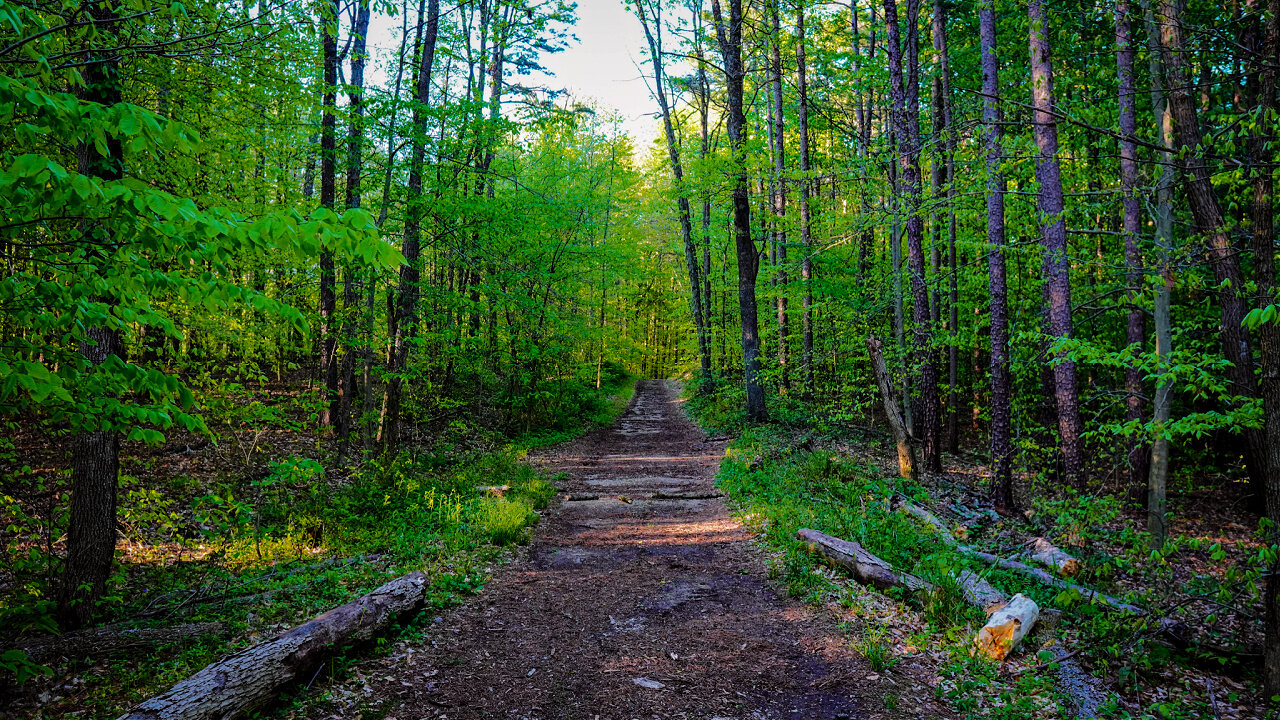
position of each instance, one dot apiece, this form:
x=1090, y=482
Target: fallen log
x=928, y=518
x=580, y=497
x=112, y=638
x=1018, y=567
x=1049, y=555
x=865, y=567
x=1006, y=627
x=907, y=467
x=251, y=678
x=979, y=593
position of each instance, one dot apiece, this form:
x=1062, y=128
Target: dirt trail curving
x=631, y=607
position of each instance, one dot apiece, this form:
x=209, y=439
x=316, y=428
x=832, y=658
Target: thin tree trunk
x=1264, y=239
x=948, y=140
x=328, y=197
x=780, y=194
x=355, y=166
x=405, y=302
x=806, y=239
x=1158, y=467
x=1054, y=238
x=730, y=39
x=1001, y=376
x=1136, y=328
x=905, y=100
x=653, y=34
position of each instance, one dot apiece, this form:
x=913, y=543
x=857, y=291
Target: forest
x=297, y=298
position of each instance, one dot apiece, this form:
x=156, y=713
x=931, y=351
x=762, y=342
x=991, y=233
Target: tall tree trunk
x=1136, y=328
x=906, y=109
x=355, y=166
x=95, y=454
x=1158, y=467
x=1057, y=267
x=1264, y=248
x=1001, y=375
x=806, y=239
x=405, y=302
x=1213, y=226
x=729, y=36
x=947, y=137
x=780, y=193
x=328, y=196
x=653, y=34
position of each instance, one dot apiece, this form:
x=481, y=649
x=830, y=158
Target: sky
x=600, y=65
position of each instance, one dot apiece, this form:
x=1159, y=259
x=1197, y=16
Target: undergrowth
x=787, y=475
x=262, y=553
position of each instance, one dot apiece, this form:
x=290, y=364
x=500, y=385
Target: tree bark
x=1001, y=375
x=328, y=197
x=355, y=166
x=1136, y=327
x=1213, y=226
x=906, y=111
x=780, y=196
x=1264, y=248
x=806, y=239
x=907, y=466
x=947, y=139
x=1057, y=267
x=251, y=678
x=865, y=567
x=729, y=36
x=95, y=453
x=1158, y=467
x=405, y=302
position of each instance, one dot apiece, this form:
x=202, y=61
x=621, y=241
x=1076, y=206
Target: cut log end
x=1006, y=627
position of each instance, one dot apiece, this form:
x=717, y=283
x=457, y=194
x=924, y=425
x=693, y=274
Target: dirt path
x=632, y=607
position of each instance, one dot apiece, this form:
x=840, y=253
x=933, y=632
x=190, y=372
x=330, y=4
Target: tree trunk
x=907, y=466
x=906, y=110
x=1001, y=375
x=947, y=137
x=780, y=194
x=1136, y=328
x=730, y=39
x=403, y=320
x=653, y=34
x=1213, y=226
x=1269, y=333
x=95, y=453
x=355, y=166
x=1057, y=267
x=806, y=239
x=1158, y=469
x=251, y=678
x=328, y=196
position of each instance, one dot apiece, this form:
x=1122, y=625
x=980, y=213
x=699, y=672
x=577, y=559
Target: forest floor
x=627, y=606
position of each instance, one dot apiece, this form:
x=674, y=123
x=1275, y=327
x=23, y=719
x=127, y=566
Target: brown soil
x=627, y=606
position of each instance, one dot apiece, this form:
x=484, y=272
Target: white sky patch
x=600, y=66
x=603, y=65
